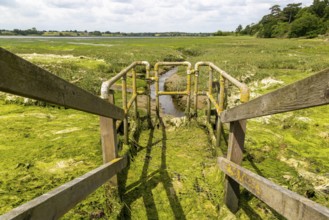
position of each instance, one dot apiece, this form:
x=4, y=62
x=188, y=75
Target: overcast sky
x=135, y=15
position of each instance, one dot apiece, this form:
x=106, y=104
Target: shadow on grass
x=252, y=214
x=147, y=182
x=247, y=196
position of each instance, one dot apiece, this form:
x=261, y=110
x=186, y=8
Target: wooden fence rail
x=287, y=203
x=57, y=202
x=310, y=92
x=20, y=77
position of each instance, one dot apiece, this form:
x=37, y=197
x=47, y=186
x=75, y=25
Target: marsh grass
x=43, y=147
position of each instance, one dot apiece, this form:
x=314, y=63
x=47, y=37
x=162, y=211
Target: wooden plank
x=309, y=92
x=57, y=202
x=285, y=202
x=234, y=154
x=20, y=77
x=109, y=139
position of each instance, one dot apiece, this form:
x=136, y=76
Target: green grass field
x=43, y=147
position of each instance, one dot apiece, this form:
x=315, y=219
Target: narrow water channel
x=166, y=101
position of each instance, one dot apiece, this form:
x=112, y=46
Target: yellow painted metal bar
x=157, y=102
x=107, y=84
x=188, y=104
x=196, y=92
x=173, y=93
x=221, y=92
x=131, y=101
x=209, y=92
x=213, y=101
x=134, y=92
x=188, y=89
x=244, y=90
x=123, y=74
x=125, y=108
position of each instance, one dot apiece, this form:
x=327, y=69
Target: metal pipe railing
x=107, y=84
x=219, y=103
x=188, y=87
x=105, y=89
x=244, y=90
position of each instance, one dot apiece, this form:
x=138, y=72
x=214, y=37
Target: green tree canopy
x=307, y=25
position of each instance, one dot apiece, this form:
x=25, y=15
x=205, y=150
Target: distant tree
x=268, y=22
x=308, y=25
x=223, y=33
x=326, y=13
x=290, y=11
x=266, y=26
x=293, y=21
x=275, y=10
x=238, y=29
x=96, y=33
x=319, y=7
x=280, y=30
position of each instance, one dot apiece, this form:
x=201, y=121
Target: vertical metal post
x=148, y=107
x=188, y=104
x=157, y=102
x=196, y=88
x=221, y=92
x=109, y=138
x=221, y=100
x=125, y=108
x=210, y=93
x=135, y=93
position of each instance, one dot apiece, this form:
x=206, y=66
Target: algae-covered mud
x=173, y=173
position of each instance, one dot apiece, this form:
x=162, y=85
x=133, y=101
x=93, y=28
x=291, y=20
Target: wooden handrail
x=20, y=77
x=287, y=203
x=56, y=203
x=310, y=92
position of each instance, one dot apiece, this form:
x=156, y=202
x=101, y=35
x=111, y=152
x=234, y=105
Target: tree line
x=74, y=33
x=291, y=21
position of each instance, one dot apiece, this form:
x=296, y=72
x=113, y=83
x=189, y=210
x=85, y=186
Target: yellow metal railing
x=217, y=102
x=106, y=86
x=187, y=92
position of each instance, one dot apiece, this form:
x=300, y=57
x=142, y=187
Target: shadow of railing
x=147, y=182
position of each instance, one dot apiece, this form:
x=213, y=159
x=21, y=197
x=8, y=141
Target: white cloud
x=134, y=15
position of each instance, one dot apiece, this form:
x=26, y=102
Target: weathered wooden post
x=109, y=138
x=125, y=108
x=234, y=154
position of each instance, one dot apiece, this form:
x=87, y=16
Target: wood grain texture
x=234, y=154
x=20, y=77
x=285, y=202
x=56, y=203
x=309, y=92
x=109, y=139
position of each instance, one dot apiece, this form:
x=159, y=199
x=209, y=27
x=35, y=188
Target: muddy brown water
x=166, y=102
